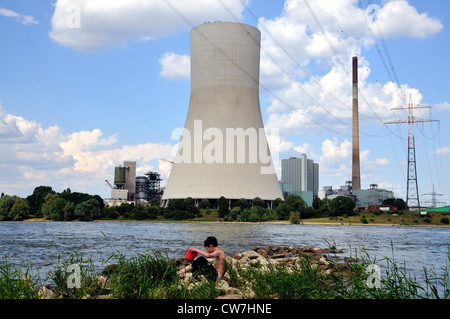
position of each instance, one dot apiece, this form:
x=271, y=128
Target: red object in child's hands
x=190, y=255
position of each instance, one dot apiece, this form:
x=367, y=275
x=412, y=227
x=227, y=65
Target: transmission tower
x=412, y=190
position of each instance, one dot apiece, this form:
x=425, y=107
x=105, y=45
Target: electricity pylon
x=412, y=190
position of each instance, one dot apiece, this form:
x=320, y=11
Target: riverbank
x=353, y=221
x=271, y=272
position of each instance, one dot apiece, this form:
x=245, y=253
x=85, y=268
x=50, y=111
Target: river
x=40, y=243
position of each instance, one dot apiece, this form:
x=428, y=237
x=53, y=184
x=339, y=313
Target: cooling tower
x=223, y=150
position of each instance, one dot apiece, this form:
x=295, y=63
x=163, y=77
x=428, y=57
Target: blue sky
x=87, y=84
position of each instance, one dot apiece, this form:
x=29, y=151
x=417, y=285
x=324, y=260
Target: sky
x=88, y=84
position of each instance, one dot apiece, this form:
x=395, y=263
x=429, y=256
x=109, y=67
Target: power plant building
x=300, y=176
x=223, y=150
x=129, y=188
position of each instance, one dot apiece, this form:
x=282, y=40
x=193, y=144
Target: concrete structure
x=371, y=196
x=223, y=150
x=356, y=176
x=124, y=184
x=302, y=173
x=300, y=176
x=130, y=178
x=362, y=197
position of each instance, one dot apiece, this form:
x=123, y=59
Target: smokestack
x=356, y=177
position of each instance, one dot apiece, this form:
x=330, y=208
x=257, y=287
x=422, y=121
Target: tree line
x=48, y=204
x=67, y=205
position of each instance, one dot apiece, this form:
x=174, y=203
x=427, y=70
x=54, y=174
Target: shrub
x=444, y=220
x=56, y=209
x=295, y=217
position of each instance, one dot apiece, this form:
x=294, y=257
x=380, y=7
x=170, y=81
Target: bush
x=253, y=217
x=444, y=220
x=88, y=210
x=69, y=211
x=56, y=209
x=245, y=215
x=110, y=212
x=294, y=218
x=13, y=208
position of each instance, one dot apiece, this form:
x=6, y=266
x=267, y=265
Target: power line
x=250, y=76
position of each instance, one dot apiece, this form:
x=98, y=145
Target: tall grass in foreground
x=152, y=275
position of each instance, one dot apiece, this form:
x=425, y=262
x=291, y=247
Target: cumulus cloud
x=33, y=156
x=443, y=107
x=442, y=151
x=22, y=18
x=320, y=37
x=97, y=25
x=175, y=66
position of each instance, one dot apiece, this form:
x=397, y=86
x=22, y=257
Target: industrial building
x=223, y=150
x=129, y=188
x=363, y=198
x=300, y=176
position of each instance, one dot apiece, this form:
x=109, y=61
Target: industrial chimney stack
x=356, y=177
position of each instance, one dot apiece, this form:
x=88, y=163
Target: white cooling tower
x=223, y=150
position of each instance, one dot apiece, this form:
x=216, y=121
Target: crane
x=166, y=160
x=109, y=184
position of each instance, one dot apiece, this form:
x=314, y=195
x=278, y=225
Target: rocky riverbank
x=325, y=260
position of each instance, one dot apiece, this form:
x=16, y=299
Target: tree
x=6, y=204
x=224, y=208
x=399, y=203
x=37, y=199
x=155, y=201
x=276, y=202
x=177, y=204
x=242, y=203
x=69, y=211
x=341, y=205
x=56, y=209
x=88, y=210
x=49, y=198
x=259, y=202
x=205, y=203
x=283, y=211
x=294, y=217
x=20, y=209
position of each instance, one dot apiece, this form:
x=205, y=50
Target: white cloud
x=175, y=66
x=398, y=18
x=442, y=151
x=24, y=19
x=443, y=107
x=97, y=25
x=33, y=156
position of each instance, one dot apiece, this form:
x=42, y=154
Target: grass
x=403, y=219
x=152, y=275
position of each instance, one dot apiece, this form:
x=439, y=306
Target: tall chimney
x=356, y=177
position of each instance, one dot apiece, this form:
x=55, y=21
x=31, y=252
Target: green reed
x=153, y=275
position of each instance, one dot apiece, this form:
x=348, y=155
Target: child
x=201, y=265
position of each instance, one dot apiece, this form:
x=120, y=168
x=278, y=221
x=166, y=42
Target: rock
x=251, y=254
x=46, y=292
x=350, y=259
x=323, y=261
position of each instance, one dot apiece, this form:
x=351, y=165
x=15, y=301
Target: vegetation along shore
x=46, y=204
x=271, y=272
